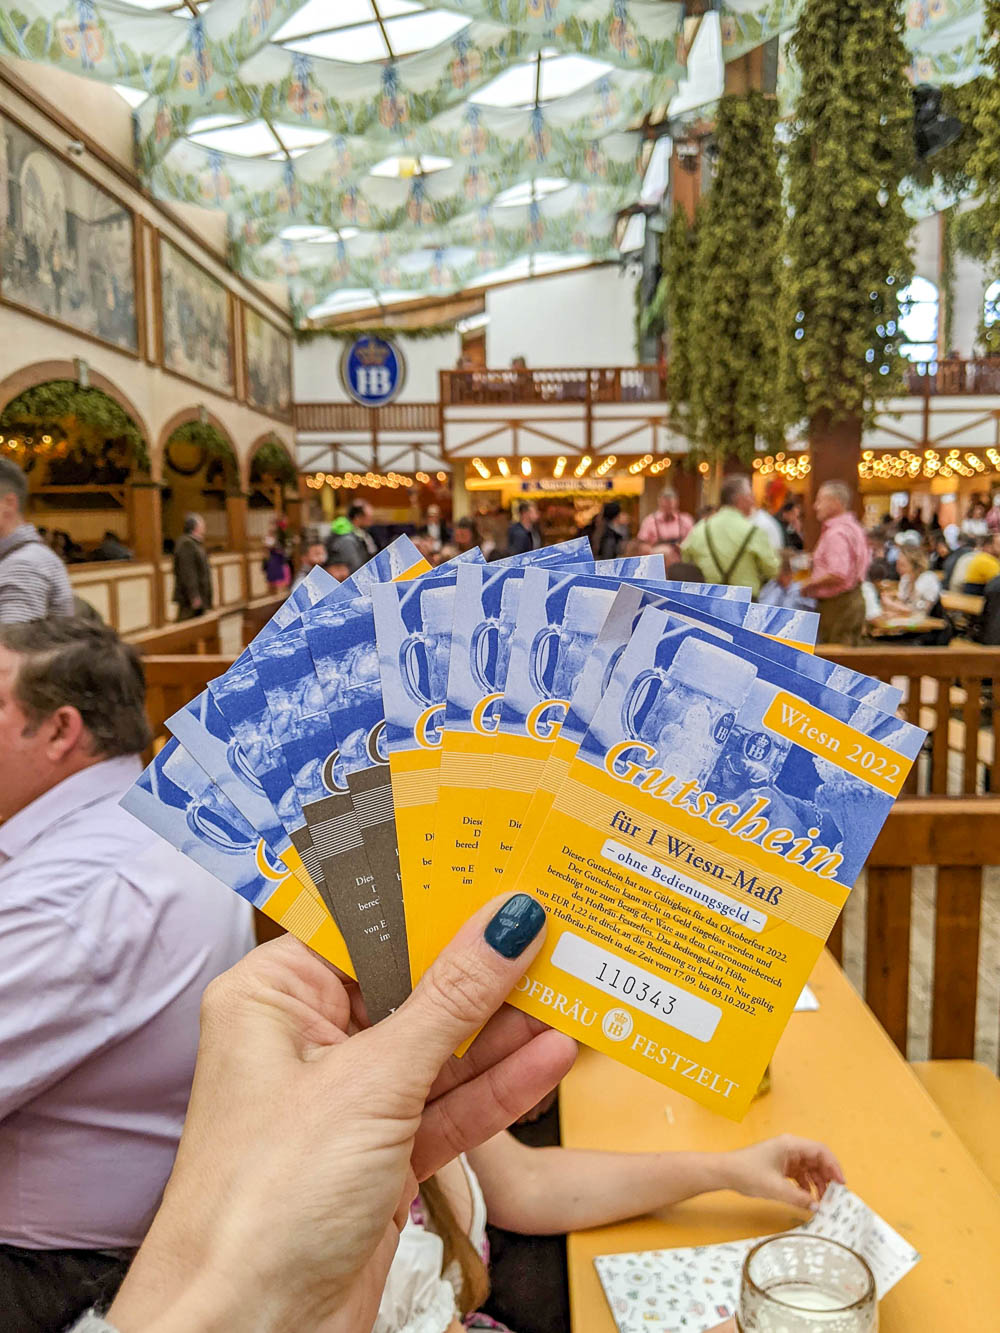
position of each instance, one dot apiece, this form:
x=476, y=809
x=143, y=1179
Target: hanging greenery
x=88, y=418
x=205, y=436
x=848, y=237
x=948, y=276
x=272, y=460
x=735, y=393
x=386, y=333
x=981, y=229
x=677, y=297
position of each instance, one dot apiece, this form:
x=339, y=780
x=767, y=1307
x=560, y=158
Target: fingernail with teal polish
x=515, y=925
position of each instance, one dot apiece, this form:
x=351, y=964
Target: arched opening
x=273, y=480
x=81, y=451
x=919, y=313
x=199, y=470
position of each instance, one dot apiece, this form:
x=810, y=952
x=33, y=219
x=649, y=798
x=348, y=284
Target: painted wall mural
x=67, y=246
x=269, y=365
x=196, y=325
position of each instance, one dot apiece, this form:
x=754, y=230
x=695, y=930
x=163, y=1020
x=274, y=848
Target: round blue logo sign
x=372, y=371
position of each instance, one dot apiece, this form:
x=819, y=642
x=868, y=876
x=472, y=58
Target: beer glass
x=801, y=1283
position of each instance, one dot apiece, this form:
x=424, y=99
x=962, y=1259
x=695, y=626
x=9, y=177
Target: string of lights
x=352, y=481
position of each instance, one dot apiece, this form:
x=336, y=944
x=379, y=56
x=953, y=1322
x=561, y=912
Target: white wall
x=971, y=281
x=317, y=368
x=573, y=319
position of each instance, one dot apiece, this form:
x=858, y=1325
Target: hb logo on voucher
x=617, y=1025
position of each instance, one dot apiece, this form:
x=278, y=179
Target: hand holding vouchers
x=686, y=909
x=688, y=791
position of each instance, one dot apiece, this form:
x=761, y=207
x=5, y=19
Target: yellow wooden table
x=838, y=1078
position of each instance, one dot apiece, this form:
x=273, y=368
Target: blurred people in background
x=608, y=532
x=940, y=551
x=982, y=565
x=974, y=524
x=879, y=567
x=839, y=566
x=524, y=534
x=33, y=580
x=769, y=526
x=350, y=543
x=465, y=536
x=277, y=566
x=192, y=572
x=636, y=547
x=728, y=547
x=993, y=516
x=919, y=591
x=435, y=528
x=682, y=571
x=782, y=590
x=109, y=938
x=111, y=547
x=313, y=556
x=790, y=519
x=667, y=527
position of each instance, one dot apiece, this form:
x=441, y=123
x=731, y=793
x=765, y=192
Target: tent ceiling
x=380, y=149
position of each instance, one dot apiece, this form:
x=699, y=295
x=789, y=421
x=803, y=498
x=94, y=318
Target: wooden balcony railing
x=603, y=384
x=954, y=375
x=354, y=417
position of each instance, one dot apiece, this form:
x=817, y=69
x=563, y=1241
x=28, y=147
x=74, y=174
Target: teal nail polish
x=515, y=925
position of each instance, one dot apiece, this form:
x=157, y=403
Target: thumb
x=462, y=989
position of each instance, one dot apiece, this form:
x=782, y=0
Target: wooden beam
x=931, y=831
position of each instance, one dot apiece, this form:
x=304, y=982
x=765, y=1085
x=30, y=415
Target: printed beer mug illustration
x=752, y=756
x=489, y=646
x=687, y=711
x=424, y=655
x=559, y=652
x=208, y=814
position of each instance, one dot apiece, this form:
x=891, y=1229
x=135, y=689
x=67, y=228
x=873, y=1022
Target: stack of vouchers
x=688, y=790
x=694, y=1289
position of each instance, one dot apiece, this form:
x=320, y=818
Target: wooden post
x=835, y=448
x=236, y=516
x=145, y=519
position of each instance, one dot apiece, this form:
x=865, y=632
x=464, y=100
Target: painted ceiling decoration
x=371, y=150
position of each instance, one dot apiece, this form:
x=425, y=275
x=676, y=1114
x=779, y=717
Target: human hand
x=307, y=1133
x=788, y=1169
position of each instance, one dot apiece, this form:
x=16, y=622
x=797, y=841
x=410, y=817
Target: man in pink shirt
x=107, y=939
x=667, y=527
x=839, y=565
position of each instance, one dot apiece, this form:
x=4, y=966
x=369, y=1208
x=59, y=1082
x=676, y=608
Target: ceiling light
x=559, y=468
x=525, y=467
x=503, y=467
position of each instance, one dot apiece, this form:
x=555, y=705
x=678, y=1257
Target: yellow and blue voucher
x=696, y=857
x=689, y=794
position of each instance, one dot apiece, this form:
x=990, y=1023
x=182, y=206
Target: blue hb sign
x=372, y=371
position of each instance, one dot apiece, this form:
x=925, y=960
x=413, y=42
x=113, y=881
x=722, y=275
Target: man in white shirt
x=107, y=939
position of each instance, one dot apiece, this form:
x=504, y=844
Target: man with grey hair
x=728, y=547
x=839, y=567
x=668, y=526
x=107, y=939
x=33, y=580
x=192, y=572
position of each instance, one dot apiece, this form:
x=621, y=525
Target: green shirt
x=727, y=531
